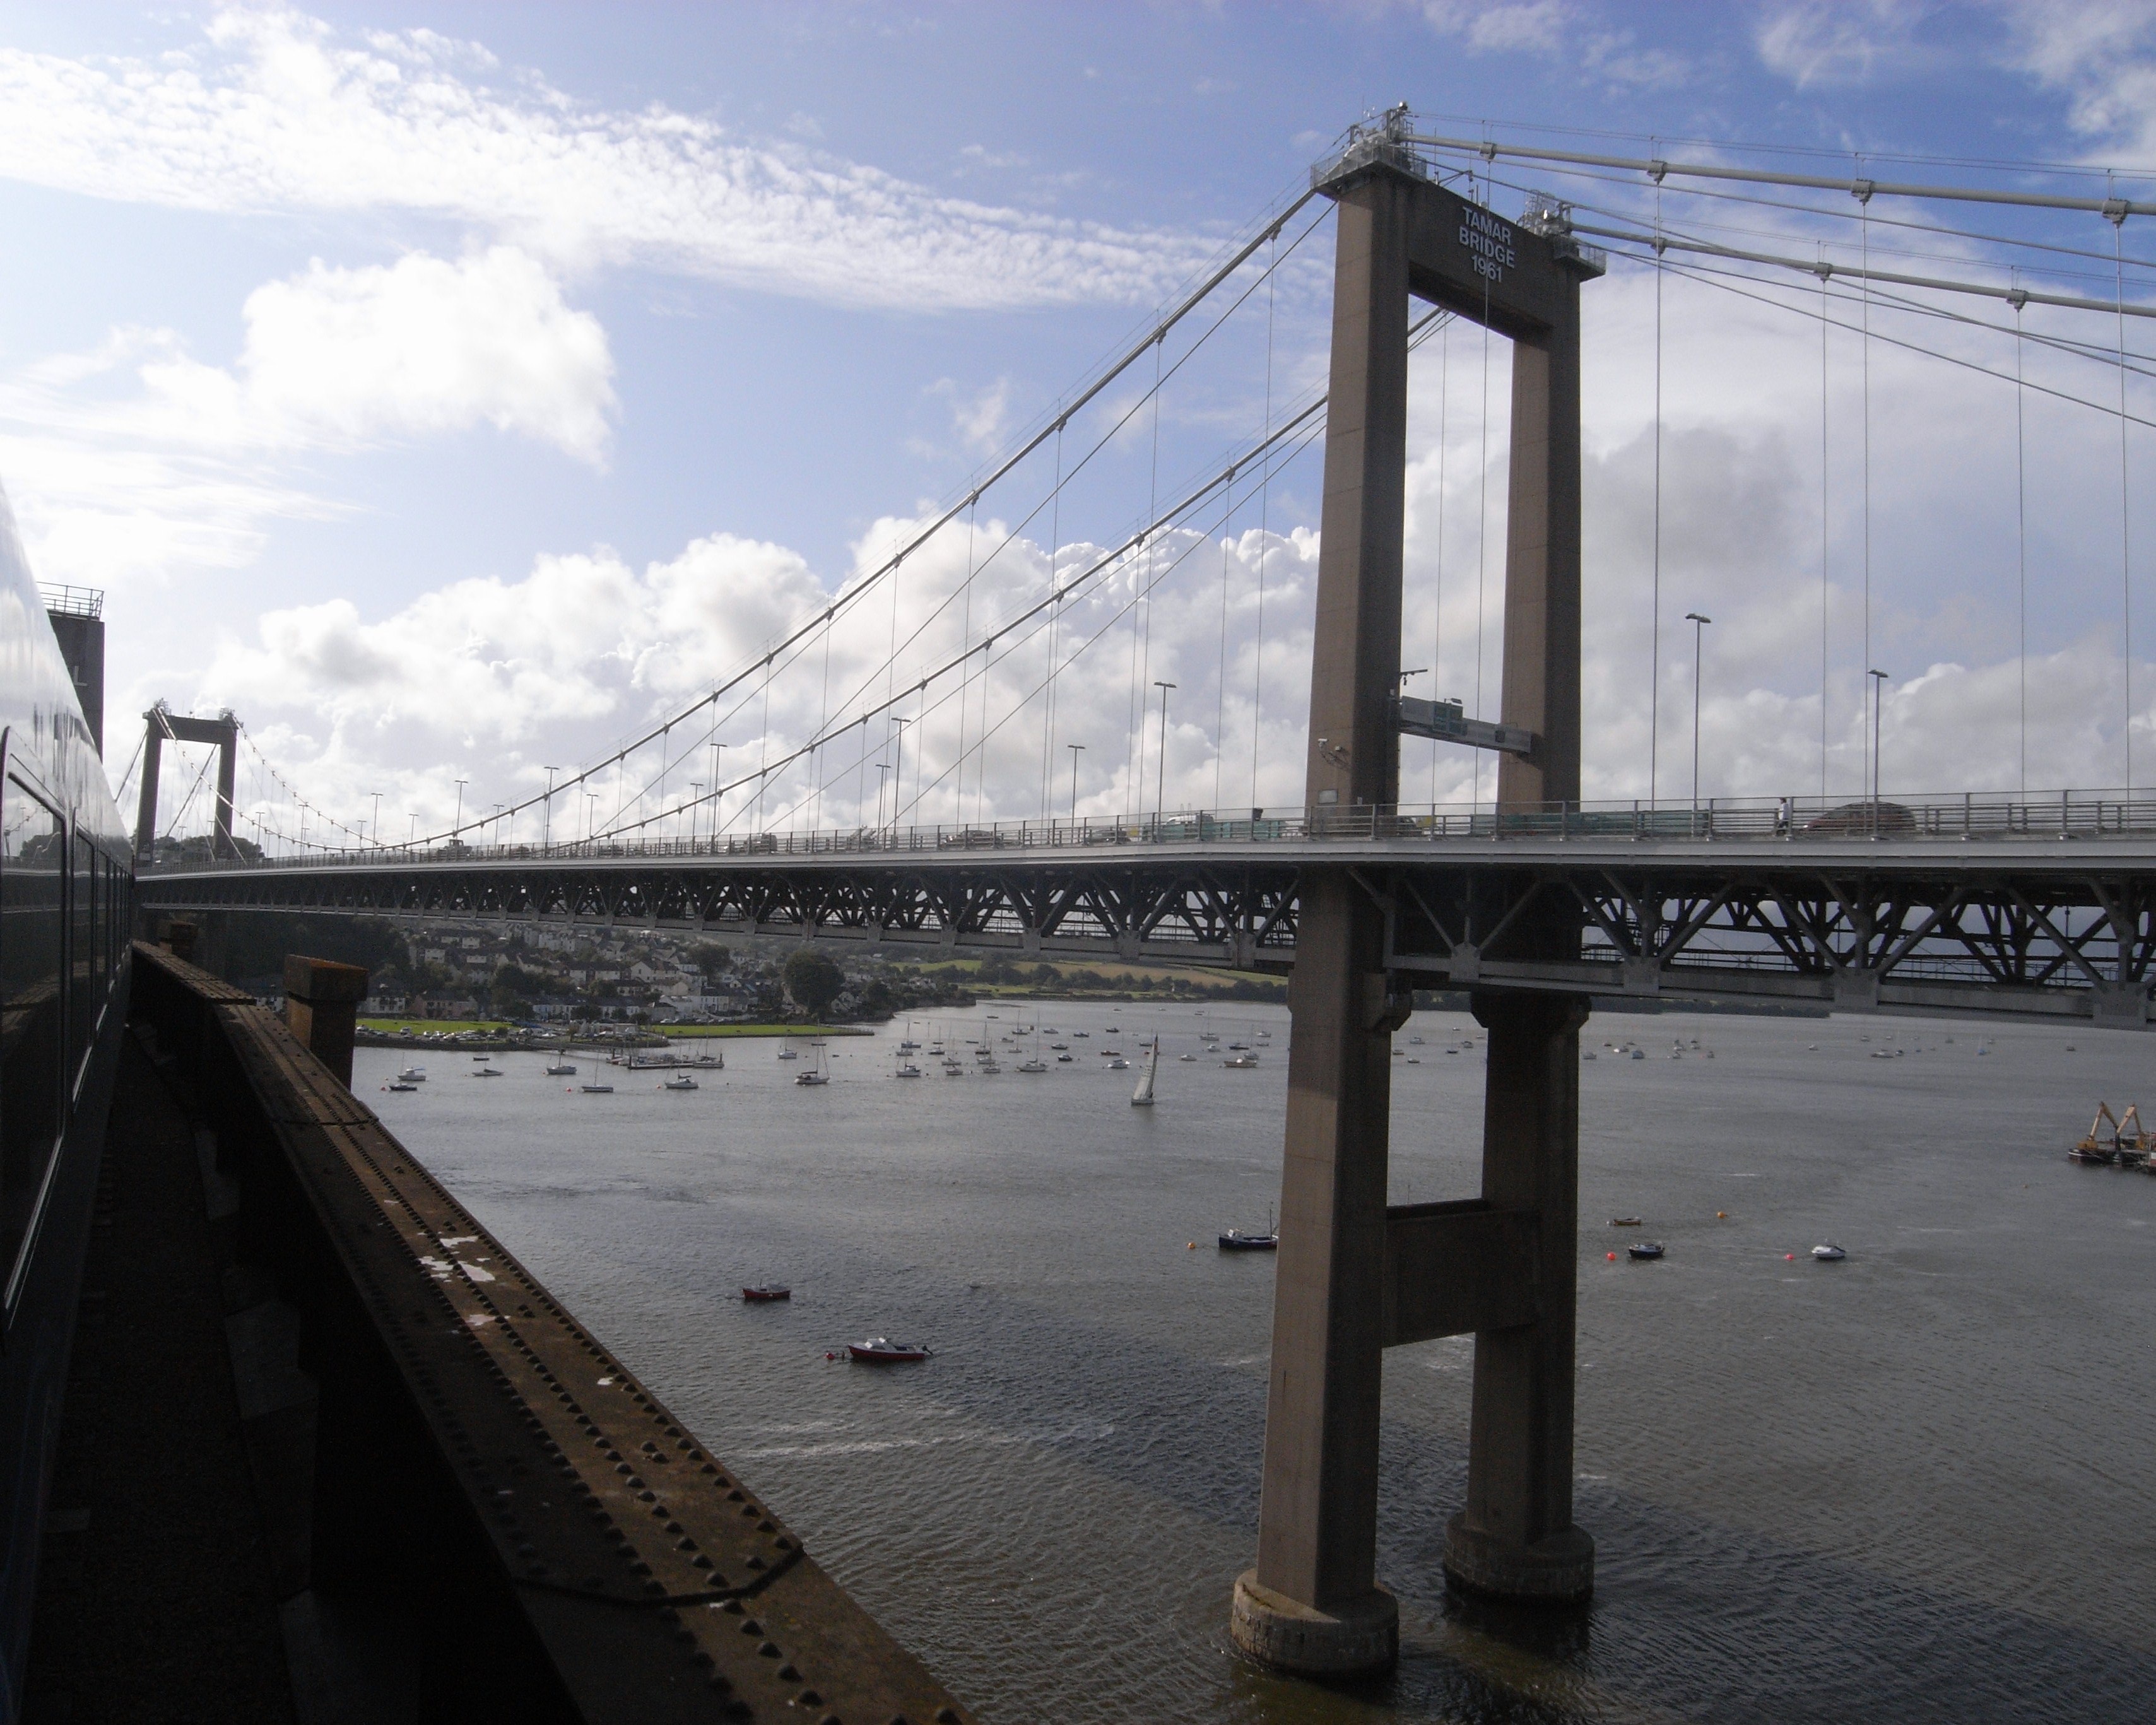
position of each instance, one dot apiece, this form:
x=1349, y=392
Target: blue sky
x=450, y=388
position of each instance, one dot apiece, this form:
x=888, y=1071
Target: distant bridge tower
x=224, y=731
x=1355, y=1276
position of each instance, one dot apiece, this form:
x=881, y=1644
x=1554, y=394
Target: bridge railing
x=1949, y=817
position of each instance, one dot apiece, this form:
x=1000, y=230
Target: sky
x=458, y=392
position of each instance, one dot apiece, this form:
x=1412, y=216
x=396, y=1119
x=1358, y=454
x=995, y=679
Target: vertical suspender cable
x=1482, y=528
x=1265, y=526
x=965, y=662
x=2125, y=499
x=1220, y=670
x=816, y=758
x=2021, y=533
x=1055, y=617
x=1437, y=604
x=1825, y=537
x=1142, y=625
x=1864, y=203
x=763, y=745
x=1655, y=651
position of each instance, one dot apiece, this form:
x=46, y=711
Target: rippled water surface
x=1914, y=1486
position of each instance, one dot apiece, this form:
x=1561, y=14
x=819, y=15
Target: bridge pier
x=1355, y=1276
x=1515, y=1538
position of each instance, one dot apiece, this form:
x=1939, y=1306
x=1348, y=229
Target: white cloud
x=2103, y=57
x=272, y=110
x=1520, y=25
x=184, y=468
x=1814, y=45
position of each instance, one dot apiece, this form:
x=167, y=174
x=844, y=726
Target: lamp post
x=1878, y=697
x=898, y=773
x=1077, y=749
x=591, y=816
x=1160, y=785
x=1699, y=623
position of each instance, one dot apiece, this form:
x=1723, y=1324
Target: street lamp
x=1698, y=639
x=898, y=772
x=1077, y=749
x=1160, y=787
x=1878, y=697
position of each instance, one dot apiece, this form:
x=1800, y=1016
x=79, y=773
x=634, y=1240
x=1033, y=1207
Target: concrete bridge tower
x=1354, y=1275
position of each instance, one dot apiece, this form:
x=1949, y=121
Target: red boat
x=881, y=1351
x=768, y=1290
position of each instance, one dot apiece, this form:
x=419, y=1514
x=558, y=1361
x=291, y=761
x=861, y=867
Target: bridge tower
x=1354, y=1275
x=224, y=731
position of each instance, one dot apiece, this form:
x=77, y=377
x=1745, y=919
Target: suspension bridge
x=1014, y=646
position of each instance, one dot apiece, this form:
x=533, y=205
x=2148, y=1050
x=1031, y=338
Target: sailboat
x=812, y=1076
x=1141, y=1097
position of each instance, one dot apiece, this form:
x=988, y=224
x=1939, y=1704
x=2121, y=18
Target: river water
x=1913, y=1485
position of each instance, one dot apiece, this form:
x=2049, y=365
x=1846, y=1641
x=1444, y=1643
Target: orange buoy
x=1722, y=1215
x=1192, y=1247
x=1788, y=1257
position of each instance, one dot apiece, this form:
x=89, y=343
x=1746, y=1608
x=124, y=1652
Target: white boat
x=1119, y=1065
x=811, y=1078
x=413, y=1074
x=1829, y=1253
x=1186, y=1057
x=682, y=1081
x=1141, y=1097
x=1033, y=1066
x=788, y=1053
x=1241, y=1062
x=907, y=1070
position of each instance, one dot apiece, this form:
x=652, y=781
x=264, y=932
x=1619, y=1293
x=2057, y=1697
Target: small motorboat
x=990, y=1069
x=1241, y=1062
x=1414, y=1041
x=1589, y=1056
x=478, y=1057
x=1186, y=1057
x=1059, y=1047
x=1063, y=1059
x=680, y=1081
x=400, y=1086
x=1237, y=1047
x=1119, y=1065
x=1625, y=1222
x=766, y=1290
x=1638, y=1053
x=1644, y=1249
x=1829, y=1253
x=413, y=1074
x=597, y=1090
x=1235, y=1240
x=488, y=1072
x=561, y=1069
x=881, y=1351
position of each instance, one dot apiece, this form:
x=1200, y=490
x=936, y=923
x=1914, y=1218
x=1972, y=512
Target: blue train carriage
x=67, y=882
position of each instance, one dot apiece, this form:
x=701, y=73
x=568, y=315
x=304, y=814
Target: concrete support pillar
x=1516, y=1539
x=322, y=1006
x=145, y=806
x=228, y=752
x=1313, y=1603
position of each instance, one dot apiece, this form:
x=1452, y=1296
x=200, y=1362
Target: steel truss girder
x=1234, y=914
x=2047, y=945
x=2043, y=940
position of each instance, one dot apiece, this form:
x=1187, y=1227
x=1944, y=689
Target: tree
x=813, y=981
x=710, y=958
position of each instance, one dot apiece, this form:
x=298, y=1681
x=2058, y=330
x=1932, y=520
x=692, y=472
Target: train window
x=33, y=860
x=83, y=969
